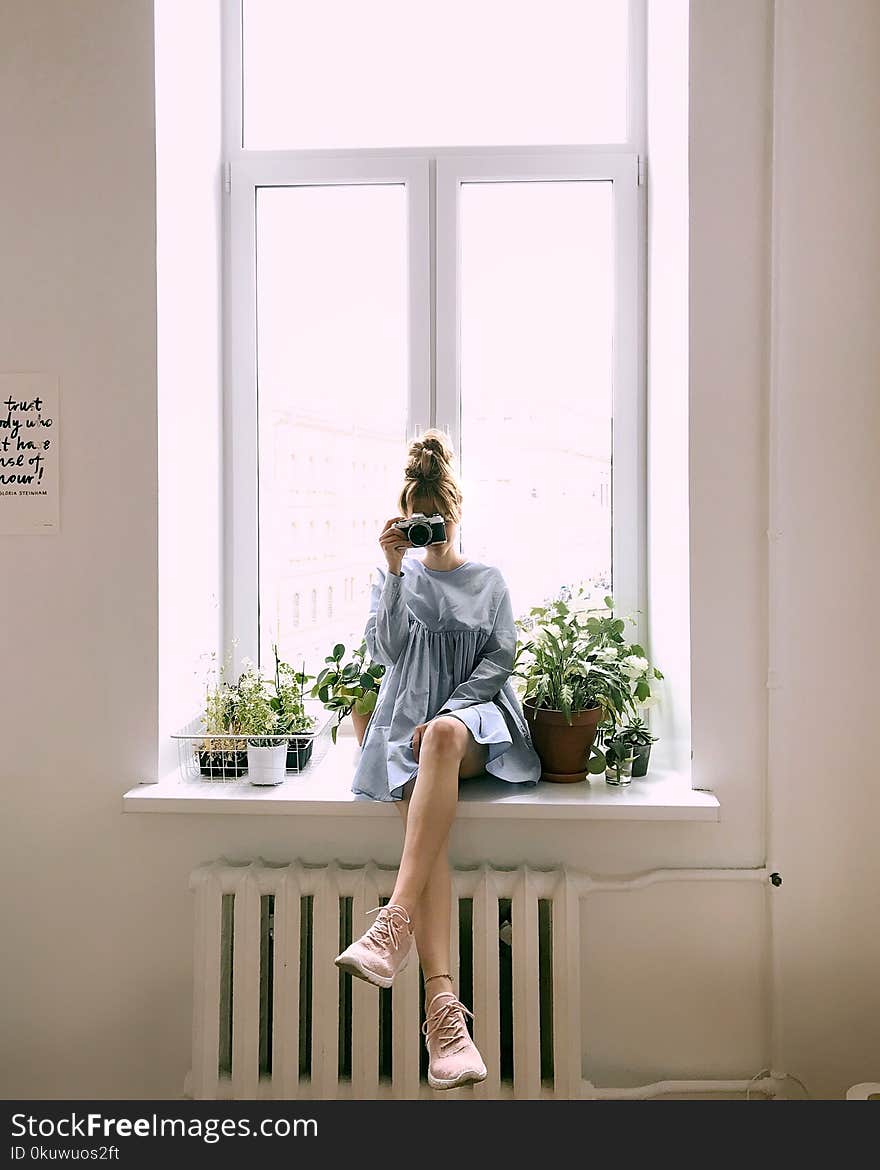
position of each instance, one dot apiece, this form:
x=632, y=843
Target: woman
x=444, y=628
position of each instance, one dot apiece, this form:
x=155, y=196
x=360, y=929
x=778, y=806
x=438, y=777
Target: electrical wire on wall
x=766, y=1072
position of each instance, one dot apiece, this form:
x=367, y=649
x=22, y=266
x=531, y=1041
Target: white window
x=434, y=219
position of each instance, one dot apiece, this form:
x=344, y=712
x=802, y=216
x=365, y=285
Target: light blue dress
x=447, y=639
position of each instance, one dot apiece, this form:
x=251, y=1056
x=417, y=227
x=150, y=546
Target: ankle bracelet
x=445, y=975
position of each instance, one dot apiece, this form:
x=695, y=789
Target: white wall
x=825, y=635
x=730, y=103
x=79, y=629
x=98, y=937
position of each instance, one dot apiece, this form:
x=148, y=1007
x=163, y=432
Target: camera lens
x=420, y=534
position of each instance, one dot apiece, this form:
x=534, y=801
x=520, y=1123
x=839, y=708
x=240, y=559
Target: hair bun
x=427, y=464
x=430, y=457
x=430, y=481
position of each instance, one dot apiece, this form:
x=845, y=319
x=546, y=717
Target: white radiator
x=274, y=1018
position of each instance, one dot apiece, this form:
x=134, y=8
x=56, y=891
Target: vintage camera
x=421, y=529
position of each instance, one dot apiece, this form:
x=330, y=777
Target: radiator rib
x=487, y=1034
x=246, y=986
x=365, y=1001
x=286, y=982
x=325, y=1000
x=566, y=988
x=206, y=988
x=405, y=1017
x=526, y=1006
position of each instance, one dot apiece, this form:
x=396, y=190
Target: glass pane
x=332, y=398
x=537, y=313
x=396, y=73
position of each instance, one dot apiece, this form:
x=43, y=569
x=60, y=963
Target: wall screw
x=776, y=879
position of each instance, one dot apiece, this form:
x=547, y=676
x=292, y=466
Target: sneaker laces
x=446, y=1023
x=384, y=934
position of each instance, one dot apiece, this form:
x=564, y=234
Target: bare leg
x=431, y=914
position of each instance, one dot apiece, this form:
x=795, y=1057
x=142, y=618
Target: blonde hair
x=430, y=482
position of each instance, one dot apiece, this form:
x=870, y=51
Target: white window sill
x=325, y=790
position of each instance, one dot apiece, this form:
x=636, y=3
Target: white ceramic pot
x=267, y=765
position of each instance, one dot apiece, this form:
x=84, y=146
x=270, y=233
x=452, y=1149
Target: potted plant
x=220, y=753
x=291, y=717
x=578, y=673
x=635, y=736
x=259, y=721
x=349, y=688
x=618, y=762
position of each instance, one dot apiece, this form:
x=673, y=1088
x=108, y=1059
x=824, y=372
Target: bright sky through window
x=331, y=356
x=345, y=74
x=537, y=311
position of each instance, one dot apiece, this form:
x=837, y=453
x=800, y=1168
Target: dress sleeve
x=495, y=664
x=387, y=629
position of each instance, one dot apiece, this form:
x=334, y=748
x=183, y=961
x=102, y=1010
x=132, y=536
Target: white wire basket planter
x=223, y=759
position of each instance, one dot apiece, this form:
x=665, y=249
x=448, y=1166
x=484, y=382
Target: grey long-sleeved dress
x=447, y=639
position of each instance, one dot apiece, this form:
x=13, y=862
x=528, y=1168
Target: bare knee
x=447, y=736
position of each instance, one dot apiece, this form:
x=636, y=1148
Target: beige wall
x=730, y=103
x=825, y=486
x=98, y=933
x=79, y=629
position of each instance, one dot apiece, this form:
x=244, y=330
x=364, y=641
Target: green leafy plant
x=220, y=716
x=288, y=699
x=345, y=686
x=573, y=655
x=256, y=716
x=635, y=734
x=629, y=740
x=252, y=707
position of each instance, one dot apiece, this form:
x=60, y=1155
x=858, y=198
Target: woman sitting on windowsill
x=447, y=711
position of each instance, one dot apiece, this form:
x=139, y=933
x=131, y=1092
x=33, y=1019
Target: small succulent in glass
x=634, y=738
x=618, y=763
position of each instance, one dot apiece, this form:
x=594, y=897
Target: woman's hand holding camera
x=393, y=544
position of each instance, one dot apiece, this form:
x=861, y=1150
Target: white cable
x=757, y=1076
x=778, y=1077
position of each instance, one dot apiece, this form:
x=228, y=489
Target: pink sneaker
x=454, y=1059
x=383, y=950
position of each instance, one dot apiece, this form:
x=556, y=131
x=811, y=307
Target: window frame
x=240, y=399
x=628, y=481
x=432, y=176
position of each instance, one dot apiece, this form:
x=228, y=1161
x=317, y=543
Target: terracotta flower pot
x=564, y=748
x=360, y=725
